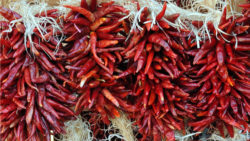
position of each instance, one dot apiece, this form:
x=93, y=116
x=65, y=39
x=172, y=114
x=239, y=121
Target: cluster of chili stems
x=35, y=92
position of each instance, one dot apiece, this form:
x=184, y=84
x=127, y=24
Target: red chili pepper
x=220, y=54
x=136, y=38
x=106, y=43
x=54, y=123
x=155, y=38
x=98, y=23
x=90, y=16
x=230, y=130
x=130, y=70
x=235, y=69
x=234, y=105
x=109, y=28
x=151, y=98
x=30, y=109
x=197, y=24
x=240, y=29
x=229, y=52
x=19, y=103
x=101, y=50
x=8, y=109
x=103, y=114
x=241, y=39
x=162, y=13
x=212, y=108
x=173, y=17
x=4, y=72
x=139, y=49
x=243, y=111
x=84, y=4
x=55, y=92
x=28, y=79
x=109, y=56
x=105, y=36
x=110, y=97
x=15, y=38
x=242, y=47
x=41, y=95
x=201, y=53
x=106, y=4
x=141, y=62
x=202, y=122
x=167, y=69
x=172, y=109
x=20, y=133
x=179, y=34
x=11, y=76
x=163, y=24
x=223, y=16
x=18, y=44
x=10, y=121
x=6, y=43
x=87, y=76
x=49, y=108
x=93, y=40
x=86, y=67
x=9, y=14
x=159, y=92
x=93, y=5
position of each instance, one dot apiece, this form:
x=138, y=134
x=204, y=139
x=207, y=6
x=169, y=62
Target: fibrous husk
x=238, y=136
x=125, y=127
x=187, y=137
x=77, y=130
x=80, y=130
x=64, y=10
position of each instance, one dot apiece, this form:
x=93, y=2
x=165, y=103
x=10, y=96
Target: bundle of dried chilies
x=221, y=70
x=157, y=59
x=35, y=91
x=94, y=56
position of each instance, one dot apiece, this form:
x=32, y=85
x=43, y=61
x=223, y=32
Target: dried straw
x=238, y=136
x=124, y=125
x=77, y=130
